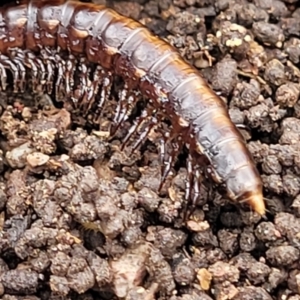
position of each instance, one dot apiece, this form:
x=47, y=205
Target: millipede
x=42, y=43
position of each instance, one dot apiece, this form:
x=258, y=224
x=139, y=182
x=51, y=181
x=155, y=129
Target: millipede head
x=245, y=186
x=256, y=201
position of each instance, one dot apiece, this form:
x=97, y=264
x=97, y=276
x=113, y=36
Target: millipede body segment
x=50, y=38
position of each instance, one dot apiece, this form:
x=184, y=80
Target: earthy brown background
x=81, y=220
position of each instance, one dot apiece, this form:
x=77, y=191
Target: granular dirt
x=80, y=219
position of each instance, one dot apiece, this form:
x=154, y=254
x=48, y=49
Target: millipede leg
x=79, y=94
x=3, y=75
x=59, y=80
x=19, y=64
x=106, y=89
x=133, y=129
x=166, y=168
x=189, y=180
x=22, y=72
x=123, y=93
x=39, y=77
x=127, y=101
x=192, y=190
x=97, y=79
x=86, y=87
x=8, y=64
x=69, y=76
x=27, y=59
x=162, y=155
x=196, y=190
x=49, y=62
x=143, y=135
x=166, y=163
x=30, y=63
x=188, y=187
x=124, y=104
x=106, y=85
x=162, y=148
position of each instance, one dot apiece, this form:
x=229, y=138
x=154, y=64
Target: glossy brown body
x=147, y=63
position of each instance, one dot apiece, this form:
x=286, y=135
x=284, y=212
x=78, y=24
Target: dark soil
x=80, y=219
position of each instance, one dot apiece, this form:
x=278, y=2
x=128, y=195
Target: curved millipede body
x=51, y=38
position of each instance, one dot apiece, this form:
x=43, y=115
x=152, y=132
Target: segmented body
x=51, y=37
